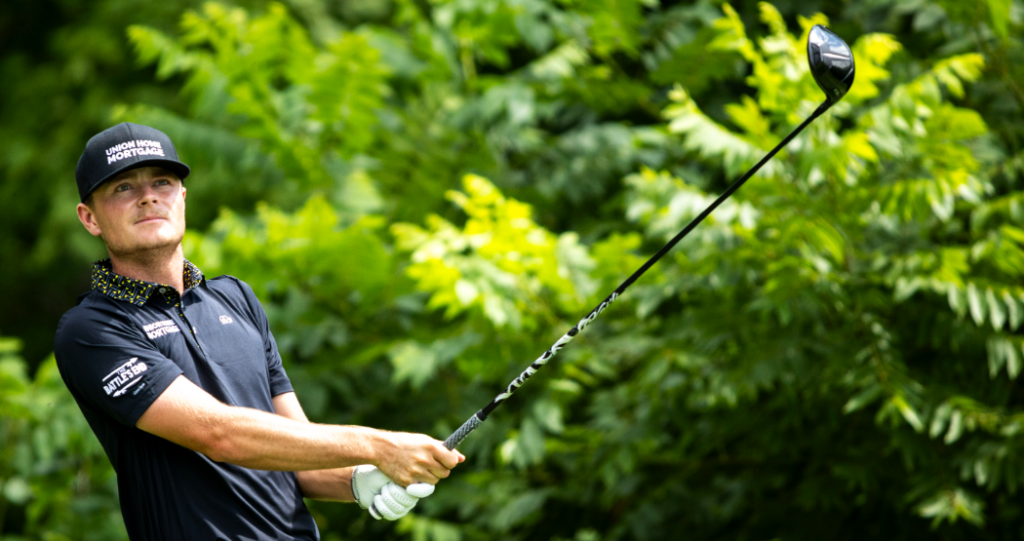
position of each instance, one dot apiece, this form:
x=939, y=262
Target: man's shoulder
x=228, y=284
x=91, y=308
x=93, y=313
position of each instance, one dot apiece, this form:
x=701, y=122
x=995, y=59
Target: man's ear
x=88, y=219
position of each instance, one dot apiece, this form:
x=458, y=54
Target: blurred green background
x=425, y=194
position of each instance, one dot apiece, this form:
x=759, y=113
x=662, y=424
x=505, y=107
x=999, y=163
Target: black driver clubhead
x=831, y=62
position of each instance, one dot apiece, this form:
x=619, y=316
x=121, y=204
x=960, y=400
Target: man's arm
x=189, y=416
x=333, y=485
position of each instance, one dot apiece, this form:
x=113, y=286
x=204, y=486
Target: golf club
x=831, y=63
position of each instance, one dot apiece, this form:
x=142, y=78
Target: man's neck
x=166, y=268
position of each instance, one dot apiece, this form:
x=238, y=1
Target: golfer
x=180, y=378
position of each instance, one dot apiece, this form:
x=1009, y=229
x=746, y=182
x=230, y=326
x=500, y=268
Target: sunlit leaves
x=952, y=505
x=501, y=262
x=559, y=64
x=865, y=397
x=999, y=10
x=666, y=204
x=899, y=403
x=1005, y=351
x=871, y=53
x=708, y=138
x=309, y=248
x=920, y=132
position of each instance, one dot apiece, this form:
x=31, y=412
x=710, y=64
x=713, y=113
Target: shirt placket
x=177, y=304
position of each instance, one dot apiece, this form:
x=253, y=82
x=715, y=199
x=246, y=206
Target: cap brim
x=175, y=167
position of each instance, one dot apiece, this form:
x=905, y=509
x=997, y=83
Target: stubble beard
x=144, y=254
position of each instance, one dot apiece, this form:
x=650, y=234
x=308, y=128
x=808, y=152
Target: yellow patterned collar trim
x=138, y=292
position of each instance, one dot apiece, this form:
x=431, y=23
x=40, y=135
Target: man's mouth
x=149, y=219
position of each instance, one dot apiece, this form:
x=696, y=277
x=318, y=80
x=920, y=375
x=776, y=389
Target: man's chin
x=147, y=248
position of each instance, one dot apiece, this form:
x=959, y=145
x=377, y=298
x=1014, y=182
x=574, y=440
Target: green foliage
x=51, y=465
x=500, y=262
x=294, y=99
x=834, y=350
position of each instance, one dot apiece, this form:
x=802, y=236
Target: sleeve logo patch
x=123, y=377
x=160, y=328
x=224, y=320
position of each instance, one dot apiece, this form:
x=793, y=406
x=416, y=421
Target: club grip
x=470, y=425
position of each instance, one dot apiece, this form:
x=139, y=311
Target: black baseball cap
x=123, y=147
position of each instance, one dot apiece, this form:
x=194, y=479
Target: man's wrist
x=374, y=445
x=379, y=445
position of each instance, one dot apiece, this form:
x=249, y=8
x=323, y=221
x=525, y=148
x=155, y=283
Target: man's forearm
x=265, y=441
x=327, y=485
x=192, y=418
x=287, y=441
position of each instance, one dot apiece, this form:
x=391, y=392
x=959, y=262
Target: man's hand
x=408, y=459
x=384, y=499
x=367, y=482
x=394, y=502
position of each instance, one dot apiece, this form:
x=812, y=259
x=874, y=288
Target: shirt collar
x=138, y=292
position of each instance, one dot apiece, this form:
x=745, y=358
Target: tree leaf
x=996, y=313
x=1013, y=309
x=939, y=419
x=1013, y=359
x=999, y=10
x=956, y=428
x=976, y=304
x=863, y=398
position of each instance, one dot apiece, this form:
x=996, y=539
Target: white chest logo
x=224, y=320
x=123, y=377
x=159, y=328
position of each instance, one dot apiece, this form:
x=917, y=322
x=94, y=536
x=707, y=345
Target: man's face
x=137, y=211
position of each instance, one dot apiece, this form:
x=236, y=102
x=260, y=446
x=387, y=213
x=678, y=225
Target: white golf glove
x=382, y=497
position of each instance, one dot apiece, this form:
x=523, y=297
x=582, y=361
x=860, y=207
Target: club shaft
x=473, y=422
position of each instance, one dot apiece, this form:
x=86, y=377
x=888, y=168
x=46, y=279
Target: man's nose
x=148, y=195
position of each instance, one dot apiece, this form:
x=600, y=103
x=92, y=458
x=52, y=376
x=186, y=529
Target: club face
x=831, y=62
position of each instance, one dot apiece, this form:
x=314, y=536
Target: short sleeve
x=279, y=382
x=109, y=364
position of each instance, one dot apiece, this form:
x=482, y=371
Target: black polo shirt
x=117, y=351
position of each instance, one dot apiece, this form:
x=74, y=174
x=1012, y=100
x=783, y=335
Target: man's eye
x=163, y=182
x=122, y=188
